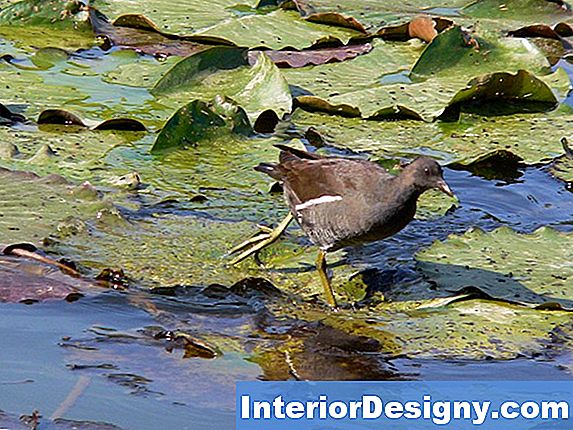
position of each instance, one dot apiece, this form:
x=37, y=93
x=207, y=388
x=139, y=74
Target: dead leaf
x=423, y=28
x=315, y=57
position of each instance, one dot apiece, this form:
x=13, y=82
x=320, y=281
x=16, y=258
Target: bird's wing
x=312, y=179
x=330, y=198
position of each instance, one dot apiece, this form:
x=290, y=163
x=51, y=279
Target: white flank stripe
x=318, y=201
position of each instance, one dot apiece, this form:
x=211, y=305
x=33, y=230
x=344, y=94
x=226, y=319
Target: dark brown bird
x=340, y=202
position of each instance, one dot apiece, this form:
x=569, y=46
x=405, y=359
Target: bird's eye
x=427, y=171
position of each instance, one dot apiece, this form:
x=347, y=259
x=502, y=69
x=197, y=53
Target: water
x=135, y=383
x=34, y=372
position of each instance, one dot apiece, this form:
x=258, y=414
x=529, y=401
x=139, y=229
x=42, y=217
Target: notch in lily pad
x=199, y=120
x=60, y=117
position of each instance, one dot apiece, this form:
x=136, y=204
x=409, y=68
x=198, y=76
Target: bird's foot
x=264, y=238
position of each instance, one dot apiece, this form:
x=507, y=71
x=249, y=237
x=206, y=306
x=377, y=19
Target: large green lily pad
x=466, y=330
x=187, y=72
x=276, y=30
x=505, y=265
x=180, y=16
x=225, y=71
x=456, y=51
x=371, y=13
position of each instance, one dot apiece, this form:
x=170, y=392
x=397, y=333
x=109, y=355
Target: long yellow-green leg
x=255, y=244
x=321, y=267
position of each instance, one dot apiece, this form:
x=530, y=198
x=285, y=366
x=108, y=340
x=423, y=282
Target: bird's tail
x=270, y=169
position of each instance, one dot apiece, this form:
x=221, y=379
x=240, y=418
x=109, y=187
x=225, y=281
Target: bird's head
x=425, y=173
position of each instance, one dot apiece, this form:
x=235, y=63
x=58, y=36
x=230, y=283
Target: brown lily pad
x=314, y=57
x=139, y=33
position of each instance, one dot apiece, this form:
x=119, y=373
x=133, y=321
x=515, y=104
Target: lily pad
x=455, y=51
x=199, y=121
x=186, y=72
x=257, y=89
x=502, y=94
x=505, y=265
x=515, y=10
x=558, y=32
x=62, y=117
x=276, y=30
x=317, y=56
x=475, y=330
x=33, y=207
x=179, y=17
x=66, y=14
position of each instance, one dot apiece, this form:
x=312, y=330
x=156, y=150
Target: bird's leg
x=256, y=243
x=321, y=267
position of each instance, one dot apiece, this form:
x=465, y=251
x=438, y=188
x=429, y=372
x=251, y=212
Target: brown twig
x=34, y=256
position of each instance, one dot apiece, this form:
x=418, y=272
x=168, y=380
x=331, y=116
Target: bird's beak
x=445, y=188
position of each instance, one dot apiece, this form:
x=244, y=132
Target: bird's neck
x=405, y=190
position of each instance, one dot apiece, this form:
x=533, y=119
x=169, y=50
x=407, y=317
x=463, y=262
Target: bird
x=340, y=202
